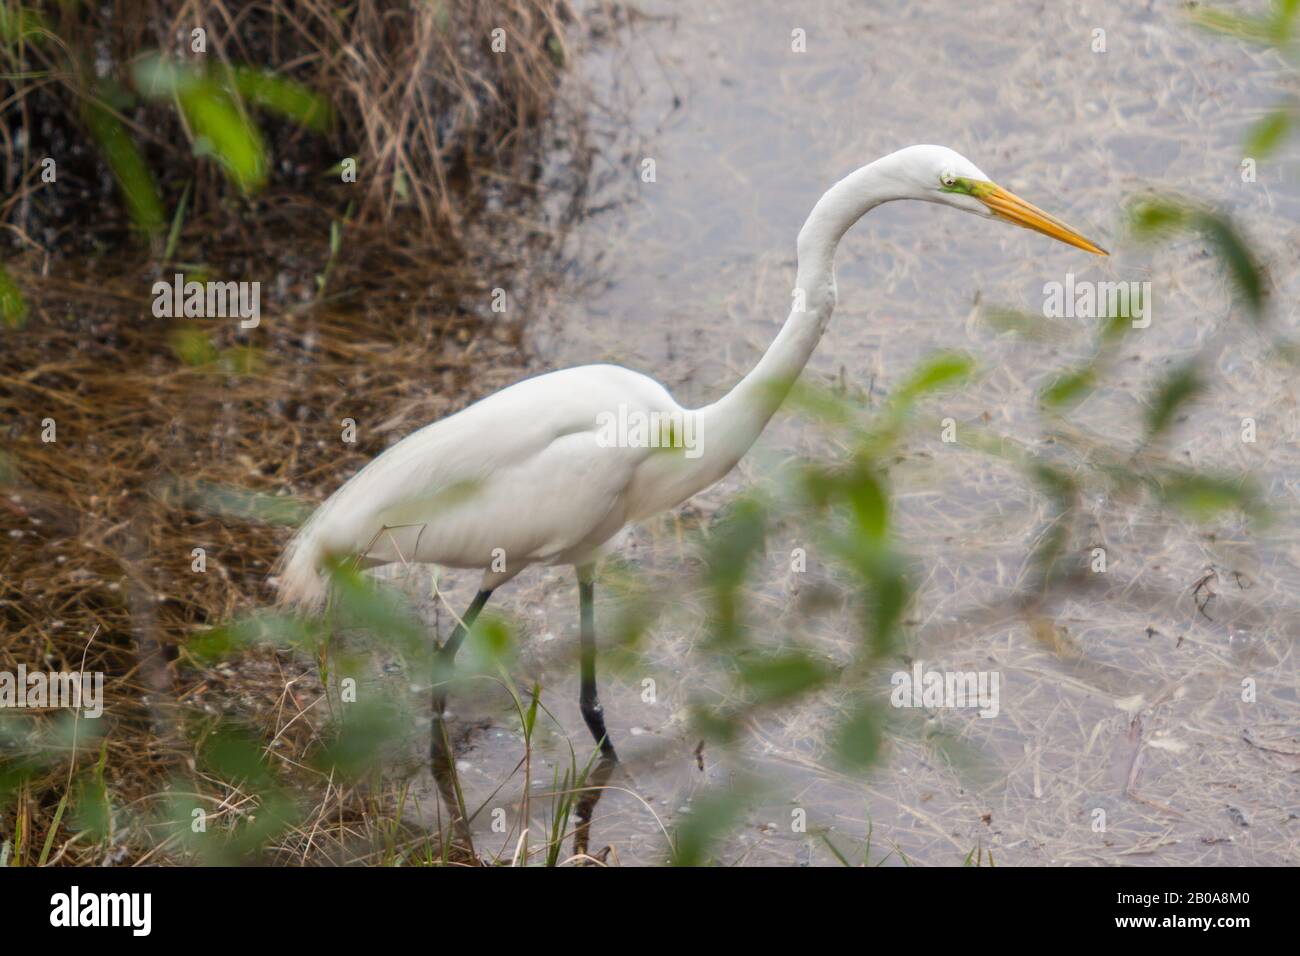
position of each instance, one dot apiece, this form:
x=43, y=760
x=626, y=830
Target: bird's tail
x=300, y=583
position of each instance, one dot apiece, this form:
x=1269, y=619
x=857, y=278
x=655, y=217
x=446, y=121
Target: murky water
x=1139, y=722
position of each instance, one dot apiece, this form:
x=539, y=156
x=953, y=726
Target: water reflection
x=586, y=795
x=590, y=795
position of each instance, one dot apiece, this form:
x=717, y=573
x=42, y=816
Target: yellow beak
x=1009, y=206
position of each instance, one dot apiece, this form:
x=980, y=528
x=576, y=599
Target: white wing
x=518, y=477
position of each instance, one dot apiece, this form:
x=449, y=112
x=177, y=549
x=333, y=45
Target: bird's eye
x=947, y=177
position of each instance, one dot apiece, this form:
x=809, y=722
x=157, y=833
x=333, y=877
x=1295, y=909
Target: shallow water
x=1141, y=715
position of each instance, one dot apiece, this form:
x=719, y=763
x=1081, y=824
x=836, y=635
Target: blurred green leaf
x=227, y=134
x=92, y=811
x=868, y=500
x=235, y=755
x=1236, y=254
x=737, y=535
x=1062, y=492
x=888, y=594
x=19, y=23
x=1253, y=29
x=939, y=371
x=192, y=346
x=1285, y=16
x=161, y=78
x=556, y=51
x=864, y=547
x=884, y=584
x=820, y=405
x=231, y=502
x=275, y=627
x=710, y=815
x=13, y=306
x=284, y=96
x=1053, y=482
x=715, y=725
x=53, y=830
x=221, y=129
x=1070, y=387
x=1267, y=135
x=361, y=603
x=856, y=742
x=128, y=166
x=1116, y=327
x=211, y=104
x=1035, y=328
x=242, y=360
x=530, y=716
x=1178, y=388
x=782, y=676
x=1205, y=497
x=1155, y=217
x=178, y=220
x=858, y=487
x=1158, y=218
x=737, y=539
x=489, y=646
x=363, y=738
x=26, y=750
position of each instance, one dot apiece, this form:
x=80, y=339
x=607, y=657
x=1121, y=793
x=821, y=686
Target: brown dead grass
x=421, y=100
x=99, y=526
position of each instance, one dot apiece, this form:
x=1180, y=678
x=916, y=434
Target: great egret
x=548, y=470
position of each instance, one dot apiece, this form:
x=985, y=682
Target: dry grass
x=420, y=99
x=96, y=570
x=101, y=526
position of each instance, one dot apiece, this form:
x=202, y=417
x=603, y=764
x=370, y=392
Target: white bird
x=550, y=469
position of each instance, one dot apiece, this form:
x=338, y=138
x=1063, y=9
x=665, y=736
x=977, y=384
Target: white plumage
x=517, y=478
x=527, y=476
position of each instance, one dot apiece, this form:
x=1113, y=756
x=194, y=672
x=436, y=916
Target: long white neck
x=730, y=426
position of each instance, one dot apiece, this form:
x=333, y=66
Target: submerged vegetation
x=142, y=537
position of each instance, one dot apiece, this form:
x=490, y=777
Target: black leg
x=592, y=712
x=446, y=655
x=440, y=745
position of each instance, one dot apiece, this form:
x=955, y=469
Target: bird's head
x=942, y=175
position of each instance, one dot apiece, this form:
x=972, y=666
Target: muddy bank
x=155, y=462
